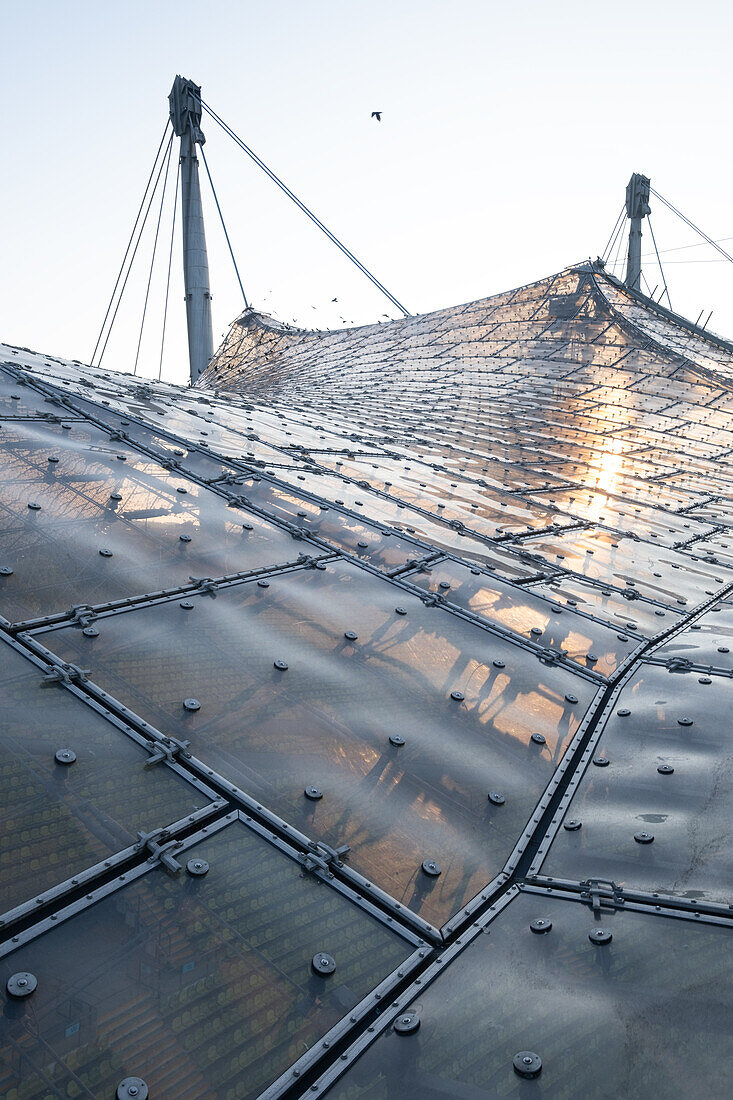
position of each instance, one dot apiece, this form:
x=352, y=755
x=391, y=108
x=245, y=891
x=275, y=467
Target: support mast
x=185, y=112
x=637, y=207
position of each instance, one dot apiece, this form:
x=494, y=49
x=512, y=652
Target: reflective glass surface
x=57, y=818
x=84, y=519
x=203, y=986
x=669, y=720
x=326, y=720
x=648, y=1014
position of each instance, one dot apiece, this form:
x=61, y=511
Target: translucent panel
x=648, y=523
x=20, y=400
x=708, y=641
x=586, y=642
x=83, y=521
x=326, y=720
x=669, y=720
x=56, y=819
x=201, y=986
x=606, y=1021
x=672, y=577
x=622, y=610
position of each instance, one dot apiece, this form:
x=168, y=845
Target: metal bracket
x=167, y=749
x=65, y=674
x=162, y=853
x=81, y=614
x=206, y=584
x=322, y=857
x=601, y=893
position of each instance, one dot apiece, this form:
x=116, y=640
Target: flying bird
x=377, y=115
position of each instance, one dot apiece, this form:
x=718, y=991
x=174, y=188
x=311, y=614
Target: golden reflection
x=607, y=467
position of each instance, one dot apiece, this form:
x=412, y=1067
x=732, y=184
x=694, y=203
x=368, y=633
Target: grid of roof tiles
x=315, y=671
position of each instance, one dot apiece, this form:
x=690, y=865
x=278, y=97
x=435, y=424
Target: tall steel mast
x=185, y=109
x=637, y=207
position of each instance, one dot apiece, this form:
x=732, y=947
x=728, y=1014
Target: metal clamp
x=160, y=852
x=206, y=584
x=81, y=614
x=601, y=893
x=322, y=857
x=65, y=674
x=167, y=749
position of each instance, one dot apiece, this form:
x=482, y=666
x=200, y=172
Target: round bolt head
x=281, y=666
x=115, y=496
x=684, y=721
x=33, y=506
x=52, y=458
x=350, y=636
x=600, y=936
x=702, y=680
x=527, y=1064
x=90, y=632
x=572, y=824
x=105, y=552
x=263, y=584
x=643, y=838
x=184, y=538
x=362, y=545
x=65, y=756
x=186, y=605
x=431, y=867
x=396, y=739
x=132, y=1088
x=191, y=704
x=601, y=761
x=571, y=698
x=5, y=571
x=498, y=664
x=540, y=926
x=496, y=798
x=247, y=527
x=538, y=739
x=457, y=695
x=21, y=984
x=197, y=867
x=400, y=611
x=323, y=963
x=181, y=490
x=665, y=769
x=407, y=1023
x=624, y=712
x=314, y=793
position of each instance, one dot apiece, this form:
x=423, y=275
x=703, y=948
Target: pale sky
x=508, y=134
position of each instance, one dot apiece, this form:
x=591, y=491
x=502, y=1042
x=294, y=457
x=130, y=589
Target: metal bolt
x=643, y=838
x=457, y=695
x=197, y=867
x=431, y=867
x=600, y=936
x=21, y=984
x=105, y=552
x=191, y=704
x=90, y=632
x=281, y=666
x=396, y=739
x=407, y=1023
x=313, y=793
x=65, y=756
x=496, y=798
x=572, y=825
x=540, y=925
x=601, y=761
x=527, y=1064
x=350, y=636
x=323, y=963
x=665, y=769
x=400, y=611
x=538, y=738
x=132, y=1087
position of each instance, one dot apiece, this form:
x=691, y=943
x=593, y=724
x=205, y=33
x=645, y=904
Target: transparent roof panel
x=55, y=818
x=623, y=611
x=708, y=641
x=605, y=1020
x=545, y=622
x=201, y=986
x=672, y=577
x=87, y=520
x=669, y=720
x=326, y=720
